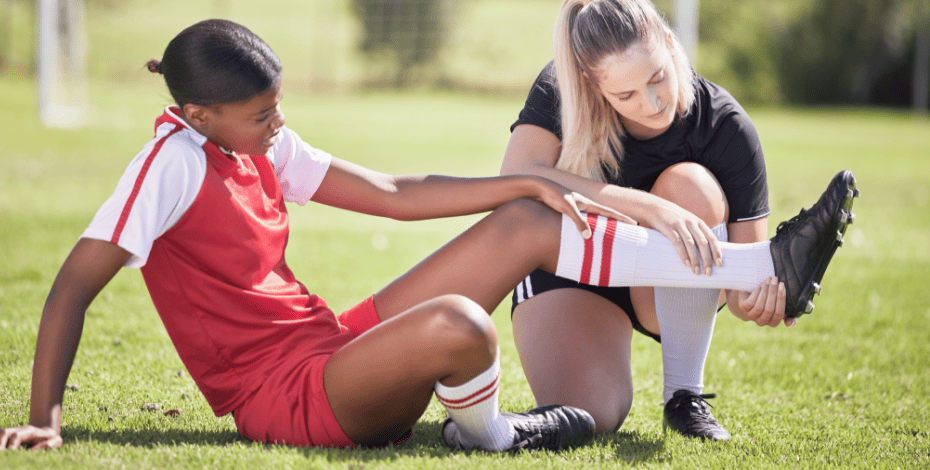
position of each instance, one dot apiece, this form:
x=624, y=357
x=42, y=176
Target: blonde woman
x=621, y=117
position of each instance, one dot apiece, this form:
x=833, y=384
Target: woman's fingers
x=770, y=308
x=586, y=205
x=680, y=247
x=759, y=307
x=578, y=203
x=694, y=260
x=780, y=305
x=713, y=247
x=581, y=222
x=597, y=209
x=37, y=438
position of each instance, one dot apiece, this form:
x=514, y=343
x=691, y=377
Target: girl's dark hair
x=217, y=61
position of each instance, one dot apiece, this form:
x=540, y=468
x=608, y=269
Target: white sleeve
x=150, y=198
x=299, y=167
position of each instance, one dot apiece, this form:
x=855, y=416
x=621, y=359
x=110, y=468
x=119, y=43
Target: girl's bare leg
x=484, y=263
x=380, y=384
x=558, y=330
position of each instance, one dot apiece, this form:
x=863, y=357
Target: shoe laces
x=699, y=404
x=538, y=434
x=787, y=224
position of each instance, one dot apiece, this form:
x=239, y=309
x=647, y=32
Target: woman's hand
x=572, y=204
x=30, y=436
x=692, y=238
x=765, y=305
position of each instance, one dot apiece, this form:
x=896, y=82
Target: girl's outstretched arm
x=352, y=187
x=89, y=267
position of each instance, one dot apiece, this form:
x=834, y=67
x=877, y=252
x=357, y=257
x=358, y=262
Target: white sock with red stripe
x=686, y=319
x=619, y=254
x=473, y=406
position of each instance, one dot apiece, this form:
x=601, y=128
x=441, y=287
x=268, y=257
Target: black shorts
x=540, y=281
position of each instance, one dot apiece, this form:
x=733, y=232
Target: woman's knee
x=694, y=188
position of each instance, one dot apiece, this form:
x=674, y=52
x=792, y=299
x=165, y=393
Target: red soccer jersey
x=218, y=277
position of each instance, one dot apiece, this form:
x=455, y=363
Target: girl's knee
x=528, y=222
x=694, y=188
x=463, y=324
x=525, y=212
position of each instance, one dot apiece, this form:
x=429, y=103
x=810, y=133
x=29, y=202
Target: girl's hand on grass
x=765, y=305
x=30, y=436
x=573, y=204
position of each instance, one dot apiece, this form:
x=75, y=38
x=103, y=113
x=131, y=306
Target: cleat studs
x=839, y=237
x=855, y=193
x=850, y=193
x=817, y=288
x=844, y=217
x=809, y=307
x=852, y=217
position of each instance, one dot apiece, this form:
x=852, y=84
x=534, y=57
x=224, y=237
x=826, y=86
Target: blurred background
x=432, y=86
x=795, y=52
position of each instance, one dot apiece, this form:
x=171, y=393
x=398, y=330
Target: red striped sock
x=474, y=408
x=619, y=254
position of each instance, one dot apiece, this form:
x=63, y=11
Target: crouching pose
x=201, y=210
x=620, y=116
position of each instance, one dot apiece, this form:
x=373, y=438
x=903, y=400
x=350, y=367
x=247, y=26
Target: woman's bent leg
x=575, y=350
x=686, y=316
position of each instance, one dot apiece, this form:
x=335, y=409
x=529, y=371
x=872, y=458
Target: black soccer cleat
x=552, y=427
x=689, y=414
x=804, y=245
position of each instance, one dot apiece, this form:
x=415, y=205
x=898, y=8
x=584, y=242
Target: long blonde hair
x=587, y=32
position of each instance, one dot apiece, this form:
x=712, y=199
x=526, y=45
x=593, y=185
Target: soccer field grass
x=845, y=388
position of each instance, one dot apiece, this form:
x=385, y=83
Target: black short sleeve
x=738, y=164
x=716, y=134
x=542, y=104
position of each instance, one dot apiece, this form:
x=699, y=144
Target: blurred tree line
x=773, y=51
x=763, y=51
x=816, y=51
x=411, y=32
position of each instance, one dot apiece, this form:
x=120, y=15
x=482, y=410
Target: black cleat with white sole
x=804, y=245
x=552, y=427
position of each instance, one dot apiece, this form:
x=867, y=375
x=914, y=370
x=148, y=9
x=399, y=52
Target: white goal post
x=686, y=22
x=61, y=52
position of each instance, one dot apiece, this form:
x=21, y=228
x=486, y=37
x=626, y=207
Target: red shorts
x=291, y=407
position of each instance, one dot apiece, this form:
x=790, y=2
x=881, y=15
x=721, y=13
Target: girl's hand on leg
x=572, y=204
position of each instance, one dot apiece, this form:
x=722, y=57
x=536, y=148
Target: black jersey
x=716, y=134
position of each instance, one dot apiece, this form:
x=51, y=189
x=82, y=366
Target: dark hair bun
x=154, y=66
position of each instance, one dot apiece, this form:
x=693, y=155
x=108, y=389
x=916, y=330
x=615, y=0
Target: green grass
x=845, y=388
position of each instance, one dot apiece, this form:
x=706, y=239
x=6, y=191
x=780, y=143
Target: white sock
x=619, y=254
x=473, y=406
x=686, y=321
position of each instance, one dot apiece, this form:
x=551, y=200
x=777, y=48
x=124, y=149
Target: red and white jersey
x=160, y=190
x=209, y=229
